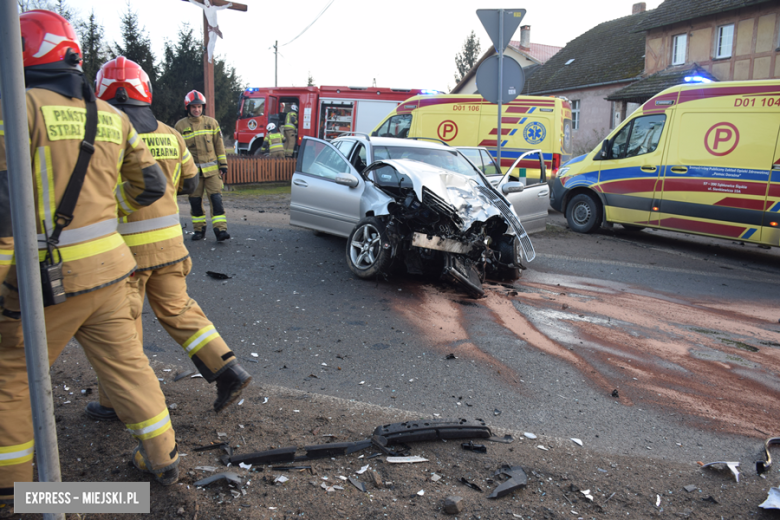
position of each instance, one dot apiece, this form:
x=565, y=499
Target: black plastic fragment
x=219, y=446
x=763, y=466
x=517, y=479
x=470, y=446
x=360, y=485
x=335, y=449
x=218, y=276
x=433, y=429
x=290, y=468
x=266, y=457
x=470, y=484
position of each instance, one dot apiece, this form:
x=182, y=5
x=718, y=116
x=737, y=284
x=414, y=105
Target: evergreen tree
x=310, y=81
x=466, y=59
x=227, y=90
x=136, y=45
x=92, y=48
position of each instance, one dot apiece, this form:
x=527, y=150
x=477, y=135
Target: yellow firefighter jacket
x=6, y=240
x=204, y=140
x=273, y=142
x=93, y=253
x=154, y=233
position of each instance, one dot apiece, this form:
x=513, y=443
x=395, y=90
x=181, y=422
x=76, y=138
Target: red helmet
x=194, y=98
x=123, y=81
x=48, y=38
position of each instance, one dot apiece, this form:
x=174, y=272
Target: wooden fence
x=250, y=169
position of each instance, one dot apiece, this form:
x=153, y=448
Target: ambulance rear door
x=717, y=169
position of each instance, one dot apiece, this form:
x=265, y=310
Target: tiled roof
x=608, y=53
x=674, y=11
x=537, y=51
x=643, y=90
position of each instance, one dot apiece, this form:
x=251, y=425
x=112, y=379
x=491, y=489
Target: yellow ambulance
x=527, y=123
x=696, y=158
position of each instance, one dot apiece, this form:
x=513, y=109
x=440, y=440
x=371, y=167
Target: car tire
x=583, y=213
x=632, y=227
x=505, y=273
x=366, y=255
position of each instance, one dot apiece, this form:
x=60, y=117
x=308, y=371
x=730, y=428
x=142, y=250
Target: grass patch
x=253, y=190
x=739, y=345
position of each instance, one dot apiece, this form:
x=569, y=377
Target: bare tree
x=466, y=59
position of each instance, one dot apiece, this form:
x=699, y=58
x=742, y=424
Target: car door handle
x=543, y=193
x=300, y=183
x=649, y=169
x=678, y=169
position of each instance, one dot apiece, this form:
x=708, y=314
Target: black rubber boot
x=230, y=384
x=97, y=412
x=199, y=234
x=221, y=234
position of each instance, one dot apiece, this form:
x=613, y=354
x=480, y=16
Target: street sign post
x=500, y=25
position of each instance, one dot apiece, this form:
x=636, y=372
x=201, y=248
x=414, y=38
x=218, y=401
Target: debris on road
x=576, y=441
x=218, y=276
x=470, y=484
x=470, y=446
x=731, y=465
x=506, y=439
x=453, y=505
x=529, y=435
x=772, y=500
x=406, y=460
x=228, y=475
x=517, y=479
x=183, y=375
x=763, y=466
x=690, y=488
x=360, y=485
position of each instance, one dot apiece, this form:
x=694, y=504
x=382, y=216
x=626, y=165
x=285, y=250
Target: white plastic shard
x=542, y=448
x=530, y=435
x=576, y=441
x=731, y=465
x=772, y=500
x=406, y=460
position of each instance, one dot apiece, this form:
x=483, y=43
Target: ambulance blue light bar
x=697, y=79
x=426, y=91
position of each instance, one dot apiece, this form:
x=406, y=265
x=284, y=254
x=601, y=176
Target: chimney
x=525, y=36
x=639, y=8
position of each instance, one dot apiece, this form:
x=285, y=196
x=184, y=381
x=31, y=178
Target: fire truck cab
x=323, y=112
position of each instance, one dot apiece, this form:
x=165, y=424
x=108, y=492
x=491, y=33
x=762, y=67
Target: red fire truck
x=324, y=112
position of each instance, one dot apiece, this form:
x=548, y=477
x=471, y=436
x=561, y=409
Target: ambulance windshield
x=396, y=126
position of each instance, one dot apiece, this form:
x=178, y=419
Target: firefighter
x=290, y=129
x=273, y=142
x=204, y=140
x=155, y=238
x=95, y=259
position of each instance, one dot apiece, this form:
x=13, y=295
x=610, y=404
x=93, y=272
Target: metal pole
x=26, y=247
x=500, y=83
x=276, y=60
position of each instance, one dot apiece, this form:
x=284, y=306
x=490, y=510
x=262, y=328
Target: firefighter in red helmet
x=204, y=140
x=73, y=135
x=155, y=238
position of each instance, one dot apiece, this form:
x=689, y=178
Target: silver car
x=532, y=202
x=417, y=205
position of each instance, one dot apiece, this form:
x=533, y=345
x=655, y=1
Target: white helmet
x=294, y=108
x=270, y=127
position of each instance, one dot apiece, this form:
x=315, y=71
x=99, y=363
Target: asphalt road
x=650, y=314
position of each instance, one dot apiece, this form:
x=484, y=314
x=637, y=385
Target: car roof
x=395, y=141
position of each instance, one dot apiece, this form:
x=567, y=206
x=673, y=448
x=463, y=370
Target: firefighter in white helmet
x=204, y=140
x=77, y=233
x=273, y=144
x=290, y=129
x=155, y=238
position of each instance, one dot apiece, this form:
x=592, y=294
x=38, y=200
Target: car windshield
x=447, y=159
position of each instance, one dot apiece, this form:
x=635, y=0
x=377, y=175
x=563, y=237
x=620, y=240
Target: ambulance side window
x=396, y=126
x=639, y=137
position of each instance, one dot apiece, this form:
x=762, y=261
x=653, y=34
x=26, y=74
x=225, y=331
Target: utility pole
x=276, y=60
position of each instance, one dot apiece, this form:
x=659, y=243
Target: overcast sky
x=398, y=43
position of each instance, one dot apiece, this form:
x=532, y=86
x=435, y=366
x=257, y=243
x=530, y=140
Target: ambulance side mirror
x=604, y=153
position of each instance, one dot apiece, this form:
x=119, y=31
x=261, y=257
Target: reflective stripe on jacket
x=93, y=253
x=290, y=121
x=154, y=233
x=273, y=142
x=204, y=141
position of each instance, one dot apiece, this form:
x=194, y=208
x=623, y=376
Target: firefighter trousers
x=102, y=322
x=211, y=187
x=289, y=143
x=182, y=318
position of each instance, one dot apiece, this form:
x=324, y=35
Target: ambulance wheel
x=366, y=255
x=583, y=213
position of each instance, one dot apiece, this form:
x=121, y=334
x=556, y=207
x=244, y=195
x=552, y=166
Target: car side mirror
x=512, y=187
x=604, y=153
x=347, y=179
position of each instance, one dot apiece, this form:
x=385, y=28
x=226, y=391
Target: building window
x=724, y=41
x=679, y=45
x=575, y=114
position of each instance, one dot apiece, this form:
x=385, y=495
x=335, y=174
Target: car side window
x=639, y=137
x=396, y=126
x=344, y=146
x=322, y=160
x=359, y=158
